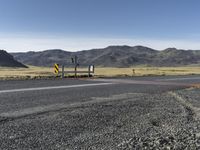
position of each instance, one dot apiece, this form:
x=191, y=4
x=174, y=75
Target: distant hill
x=113, y=56
x=7, y=60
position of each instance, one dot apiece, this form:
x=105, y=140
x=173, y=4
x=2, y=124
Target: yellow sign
x=56, y=68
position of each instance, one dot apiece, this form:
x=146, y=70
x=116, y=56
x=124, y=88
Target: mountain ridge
x=7, y=60
x=112, y=56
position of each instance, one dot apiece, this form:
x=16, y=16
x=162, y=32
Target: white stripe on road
x=53, y=87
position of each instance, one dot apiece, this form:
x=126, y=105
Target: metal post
x=89, y=71
x=63, y=71
x=93, y=68
x=75, y=68
x=75, y=72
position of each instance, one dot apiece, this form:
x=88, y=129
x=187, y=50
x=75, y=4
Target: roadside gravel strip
x=168, y=120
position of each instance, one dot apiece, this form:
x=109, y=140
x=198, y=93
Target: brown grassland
x=33, y=72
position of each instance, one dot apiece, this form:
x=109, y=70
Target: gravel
x=125, y=121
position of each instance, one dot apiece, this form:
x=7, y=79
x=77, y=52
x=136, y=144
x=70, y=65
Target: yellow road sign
x=56, y=68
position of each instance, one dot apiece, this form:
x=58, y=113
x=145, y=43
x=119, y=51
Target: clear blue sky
x=81, y=24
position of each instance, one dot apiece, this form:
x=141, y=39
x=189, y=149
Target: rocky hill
x=7, y=60
x=113, y=56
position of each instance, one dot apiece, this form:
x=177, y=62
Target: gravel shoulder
x=168, y=120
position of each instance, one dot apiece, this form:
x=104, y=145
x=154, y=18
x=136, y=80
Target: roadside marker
x=56, y=68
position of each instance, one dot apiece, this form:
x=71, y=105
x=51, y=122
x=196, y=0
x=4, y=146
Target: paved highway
x=91, y=113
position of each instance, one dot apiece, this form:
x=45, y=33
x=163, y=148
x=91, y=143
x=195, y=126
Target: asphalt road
x=106, y=113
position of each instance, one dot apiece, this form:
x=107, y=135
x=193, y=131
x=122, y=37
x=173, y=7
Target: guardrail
x=89, y=72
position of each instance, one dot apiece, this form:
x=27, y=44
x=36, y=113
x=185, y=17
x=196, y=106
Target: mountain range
x=7, y=60
x=112, y=56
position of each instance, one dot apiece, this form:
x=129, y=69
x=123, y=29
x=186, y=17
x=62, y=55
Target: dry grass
x=32, y=71
x=25, y=72
x=145, y=71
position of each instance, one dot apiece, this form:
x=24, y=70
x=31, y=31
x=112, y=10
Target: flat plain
x=33, y=71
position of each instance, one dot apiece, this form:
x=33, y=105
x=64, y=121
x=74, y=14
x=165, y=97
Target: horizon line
x=51, y=49
x=25, y=44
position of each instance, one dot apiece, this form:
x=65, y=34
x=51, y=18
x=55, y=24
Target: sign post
x=63, y=71
x=75, y=62
x=75, y=68
x=89, y=71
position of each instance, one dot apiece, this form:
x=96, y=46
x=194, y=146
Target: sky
x=34, y=25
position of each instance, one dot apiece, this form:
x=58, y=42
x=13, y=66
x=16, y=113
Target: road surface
x=106, y=113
